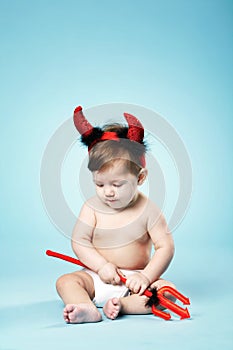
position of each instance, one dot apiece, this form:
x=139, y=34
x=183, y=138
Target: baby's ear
x=142, y=176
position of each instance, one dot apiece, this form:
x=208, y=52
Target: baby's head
x=116, y=158
x=104, y=153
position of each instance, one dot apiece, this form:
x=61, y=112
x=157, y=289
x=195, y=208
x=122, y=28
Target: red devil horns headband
x=81, y=123
x=91, y=135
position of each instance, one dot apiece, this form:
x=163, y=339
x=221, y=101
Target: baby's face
x=116, y=186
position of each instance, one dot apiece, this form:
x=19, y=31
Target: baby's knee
x=163, y=283
x=67, y=279
x=62, y=281
x=171, y=285
x=167, y=294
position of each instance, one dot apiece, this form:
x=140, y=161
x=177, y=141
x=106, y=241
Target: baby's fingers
x=134, y=286
x=116, y=280
x=142, y=289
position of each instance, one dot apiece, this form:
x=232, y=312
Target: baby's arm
x=86, y=252
x=164, y=251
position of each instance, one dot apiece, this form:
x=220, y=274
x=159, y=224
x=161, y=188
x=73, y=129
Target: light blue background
x=171, y=56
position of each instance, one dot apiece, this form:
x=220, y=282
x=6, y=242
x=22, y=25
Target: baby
x=116, y=229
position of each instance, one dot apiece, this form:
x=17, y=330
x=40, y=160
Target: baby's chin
x=117, y=204
x=114, y=204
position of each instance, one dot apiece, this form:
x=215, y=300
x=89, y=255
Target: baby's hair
x=104, y=154
x=113, y=141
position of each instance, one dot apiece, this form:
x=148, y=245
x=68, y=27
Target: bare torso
x=122, y=236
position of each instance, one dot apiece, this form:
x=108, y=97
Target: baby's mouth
x=110, y=201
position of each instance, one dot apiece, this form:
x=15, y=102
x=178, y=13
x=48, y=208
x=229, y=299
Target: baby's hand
x=137, y=283
x=108, y=274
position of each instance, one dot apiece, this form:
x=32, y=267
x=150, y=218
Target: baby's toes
x=116, y=311
x=67, y=320
x=111, y=315
x=114, y=314
x=115, y=301
x=69, y=308
x=66, y=317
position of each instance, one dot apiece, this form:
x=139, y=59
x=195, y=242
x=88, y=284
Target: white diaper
x=104, y=291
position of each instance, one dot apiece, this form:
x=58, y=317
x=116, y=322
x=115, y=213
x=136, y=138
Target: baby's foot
x=112, y=308
x=81, y=313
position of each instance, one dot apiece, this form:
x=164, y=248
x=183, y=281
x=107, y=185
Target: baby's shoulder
x=91, y=202
x=87, y=213
x=152, y=213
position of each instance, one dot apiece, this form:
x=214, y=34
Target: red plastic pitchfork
x=162, y=300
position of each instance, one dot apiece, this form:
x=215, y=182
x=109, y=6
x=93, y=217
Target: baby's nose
x=109, y=191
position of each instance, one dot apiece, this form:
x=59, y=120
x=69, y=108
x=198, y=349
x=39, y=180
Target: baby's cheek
x=126, y=196
x=99, y=191
x=127, y=191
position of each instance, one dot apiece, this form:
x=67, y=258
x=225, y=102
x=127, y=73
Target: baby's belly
x=132, y=256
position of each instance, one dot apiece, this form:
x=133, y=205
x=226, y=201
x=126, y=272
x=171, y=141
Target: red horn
x=136, y=130
x=81, y=123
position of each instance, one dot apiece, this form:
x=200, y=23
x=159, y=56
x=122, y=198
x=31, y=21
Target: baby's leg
x=133, y=304
x=162, y=283
x=76, y=290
